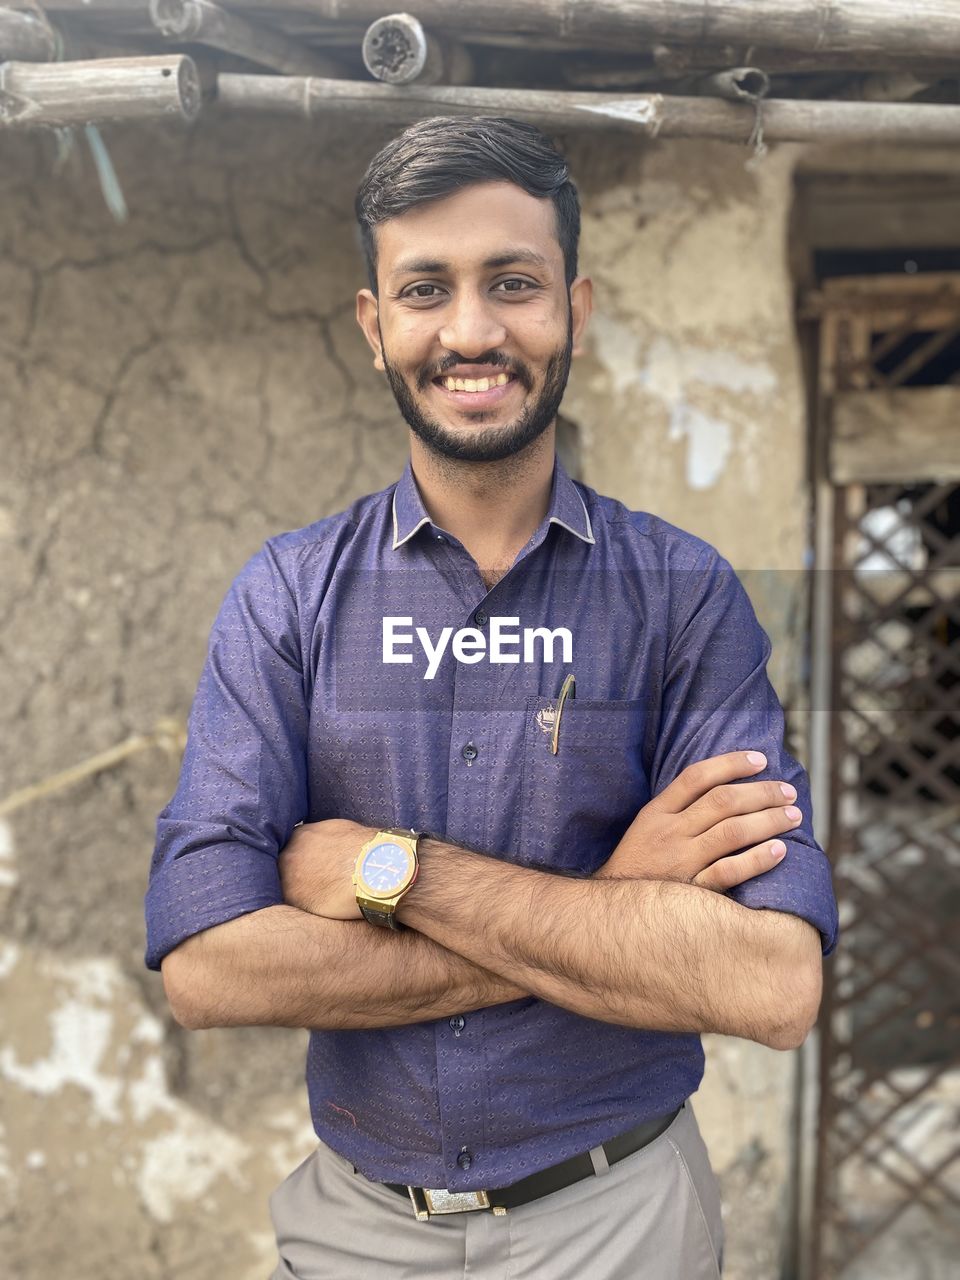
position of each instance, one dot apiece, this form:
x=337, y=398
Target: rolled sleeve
x=242, y=786
x=718, y=698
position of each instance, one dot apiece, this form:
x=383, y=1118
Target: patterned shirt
x=330, y=691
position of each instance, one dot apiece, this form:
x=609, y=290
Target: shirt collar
x=567, y=508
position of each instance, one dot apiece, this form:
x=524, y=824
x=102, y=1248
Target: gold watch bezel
x=369, y=896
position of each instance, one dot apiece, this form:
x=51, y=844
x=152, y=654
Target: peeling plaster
x=709, y=441
x=9, y=955
x=81, y=1036
x=669, y=370
x=7, y=1181
x=671, y=365
x=185, y=1162
x=8, y=872
x=95, y=1018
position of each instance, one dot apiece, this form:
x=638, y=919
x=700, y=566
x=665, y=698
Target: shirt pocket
x=576, y=805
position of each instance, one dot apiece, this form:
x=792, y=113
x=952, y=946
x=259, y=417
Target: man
x=508, y=714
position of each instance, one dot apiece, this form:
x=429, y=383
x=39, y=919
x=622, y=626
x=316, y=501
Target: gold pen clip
x=568, y=689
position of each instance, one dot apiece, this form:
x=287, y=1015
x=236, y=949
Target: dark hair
x=435, y=157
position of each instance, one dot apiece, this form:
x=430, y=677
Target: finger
x=733, y=799
x=734, y=870
x=735, y=834
x=699, y=778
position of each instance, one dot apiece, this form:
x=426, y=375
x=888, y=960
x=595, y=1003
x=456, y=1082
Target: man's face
x=472, y=286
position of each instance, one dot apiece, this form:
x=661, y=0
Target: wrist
x=425, y=897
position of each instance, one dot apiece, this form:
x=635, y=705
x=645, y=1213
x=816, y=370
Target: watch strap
x=381, y=918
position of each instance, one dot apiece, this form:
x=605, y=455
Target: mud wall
x=172, y=391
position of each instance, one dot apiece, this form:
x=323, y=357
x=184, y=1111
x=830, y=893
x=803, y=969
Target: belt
x=427, y=1201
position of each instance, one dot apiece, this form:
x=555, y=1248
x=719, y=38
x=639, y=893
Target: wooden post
x=653, y=115
x=25, y=37
x=201, y=22
x=71, y=93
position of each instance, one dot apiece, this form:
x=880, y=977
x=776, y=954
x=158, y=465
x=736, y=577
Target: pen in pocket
x=567, y=690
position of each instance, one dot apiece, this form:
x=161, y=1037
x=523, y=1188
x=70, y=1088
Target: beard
x=495, y=443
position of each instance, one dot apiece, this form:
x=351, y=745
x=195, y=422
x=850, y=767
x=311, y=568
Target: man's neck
x=493, y=508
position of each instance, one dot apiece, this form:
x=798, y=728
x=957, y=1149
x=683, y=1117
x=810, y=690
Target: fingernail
x=788, y=791
x=757, y=758
x=793, y=813
x=777, y=850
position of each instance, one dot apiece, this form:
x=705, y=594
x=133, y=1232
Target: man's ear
x=581, y=304
x=368, y=310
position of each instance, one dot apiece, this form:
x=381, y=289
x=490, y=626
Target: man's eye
x=428, y=291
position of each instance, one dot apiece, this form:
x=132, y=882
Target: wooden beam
x=652, y=115
x=71, y=93
x=909, y=435
x=858, y=28
x=924, y=27
x=25, y=37
x=202, y=22
x=907, y=212
x=679, y=60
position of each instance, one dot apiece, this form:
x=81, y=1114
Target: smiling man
x=506, y=885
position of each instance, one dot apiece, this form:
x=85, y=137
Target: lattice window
x=888, y=1179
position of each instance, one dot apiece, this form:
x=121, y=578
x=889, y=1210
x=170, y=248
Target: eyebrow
x=436, y=265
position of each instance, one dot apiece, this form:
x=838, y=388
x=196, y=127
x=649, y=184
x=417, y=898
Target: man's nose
x=471, y=326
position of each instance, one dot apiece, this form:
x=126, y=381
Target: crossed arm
x=660, y=953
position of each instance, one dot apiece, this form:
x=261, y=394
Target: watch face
x=386, y=867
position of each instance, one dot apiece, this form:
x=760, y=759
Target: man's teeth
x=476, y=384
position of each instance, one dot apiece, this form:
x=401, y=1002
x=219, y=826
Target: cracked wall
x=173, y=391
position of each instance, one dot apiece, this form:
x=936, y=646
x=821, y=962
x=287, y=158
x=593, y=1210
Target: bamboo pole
x=25, y=37
x=168, y=734
x=202, y=22
x=922, y=27
x=653, y=115
x=681, y=60
x=738, y=84
x=71, y=93
x=397, y=50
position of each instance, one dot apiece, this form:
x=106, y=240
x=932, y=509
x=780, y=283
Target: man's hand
x=690, y=832
x=316, y=867
x=692, y=829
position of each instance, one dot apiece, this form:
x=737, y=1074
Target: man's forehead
x=484, y=225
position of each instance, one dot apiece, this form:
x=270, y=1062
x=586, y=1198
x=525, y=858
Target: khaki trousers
x=653, y=1216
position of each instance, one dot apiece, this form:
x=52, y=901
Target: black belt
x=558, y=1176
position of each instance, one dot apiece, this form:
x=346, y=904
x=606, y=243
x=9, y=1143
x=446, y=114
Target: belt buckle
x=428, y=1201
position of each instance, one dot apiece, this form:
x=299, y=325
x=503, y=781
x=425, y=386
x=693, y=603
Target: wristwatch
x=386, y=868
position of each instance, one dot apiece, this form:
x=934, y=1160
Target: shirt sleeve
x=242, y=786
x=717, y=697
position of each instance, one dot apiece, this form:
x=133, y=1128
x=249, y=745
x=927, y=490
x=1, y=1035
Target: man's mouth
x=475, y=392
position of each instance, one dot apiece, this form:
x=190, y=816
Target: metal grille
x=887, y=1195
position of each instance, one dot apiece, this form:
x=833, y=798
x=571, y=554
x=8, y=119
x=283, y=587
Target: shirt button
x=441, y=538
x=480, y=618
x=464, y=1159
x=457, y=1023
x=469, y=753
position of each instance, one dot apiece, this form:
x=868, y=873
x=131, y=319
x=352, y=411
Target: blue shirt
x=298, y=717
